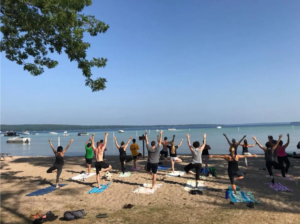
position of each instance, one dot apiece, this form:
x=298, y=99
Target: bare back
x=165, y=145
x=99, y=153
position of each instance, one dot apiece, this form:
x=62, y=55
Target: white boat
x=26, y=133
x=53, y=133
x=157, y=130
x=219, y=127
x=121, y=131
x=65, y=132
x=171, y=129
x=18, y=140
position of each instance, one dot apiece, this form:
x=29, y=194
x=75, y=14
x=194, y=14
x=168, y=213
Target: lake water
x=39, y=145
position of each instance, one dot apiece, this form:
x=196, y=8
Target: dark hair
x=271, y=137
x=281, y=142
x=122, y=143
x=89, y=145
x=165, y=138
x=101, y=141
x=268, y=145
x=245, y=142
x=153, y=143
x=60, y=149
x=196, y=144
x=133, y=140
x=233, y=141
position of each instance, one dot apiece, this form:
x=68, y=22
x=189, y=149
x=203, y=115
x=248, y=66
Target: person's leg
x=269, y=168
x=178, y=160
x=52, y=169
x=134, y=162
x=122, y=165
x=165, y=158
x=287, y=162
x=188, y=168
x=172, y=164
x=59, y=169
x=153, y=180
x=198, y=170
x=89, y=168
x=231, y=178
x=280, y=162
x=154, y=168
x=246, y=162
x=101, y=172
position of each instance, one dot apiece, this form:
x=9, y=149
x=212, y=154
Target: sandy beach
x=169, y=204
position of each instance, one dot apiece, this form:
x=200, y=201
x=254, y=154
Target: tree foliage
x=32, y=29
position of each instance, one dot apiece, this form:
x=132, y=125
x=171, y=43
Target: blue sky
x=171, y=62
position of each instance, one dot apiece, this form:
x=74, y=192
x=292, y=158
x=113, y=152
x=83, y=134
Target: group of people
x=274, y=151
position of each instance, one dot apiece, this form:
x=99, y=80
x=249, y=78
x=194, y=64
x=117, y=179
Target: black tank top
x=245, y=149
x=59, y=160
x=122, y=151
x=233, y=165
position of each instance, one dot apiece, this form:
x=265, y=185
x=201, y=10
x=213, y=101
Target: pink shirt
x=281, y=151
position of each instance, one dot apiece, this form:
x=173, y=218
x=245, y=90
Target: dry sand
x=169, y=204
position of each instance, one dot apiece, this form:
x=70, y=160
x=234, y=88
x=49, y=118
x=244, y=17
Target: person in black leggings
x=123, y=156
x=233, y=167
x=269, y=151
x=59, y=160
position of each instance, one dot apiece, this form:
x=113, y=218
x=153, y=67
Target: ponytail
x=232, y=149
x=173, y=149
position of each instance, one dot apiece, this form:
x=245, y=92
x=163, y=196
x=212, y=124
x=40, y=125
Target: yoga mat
x=83, y=176
x=126, y=174
x=45, y=190
x=230, y=188
x=242, y=196
x=146, y=189
x=278, y=187
x=191, y=185
x=176, y=174
x=96, y=190
x=163, y=167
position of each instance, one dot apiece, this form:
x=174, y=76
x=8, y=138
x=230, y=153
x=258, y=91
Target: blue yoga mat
x=163, y=167
x=96, y=190
x=45, y=190
x=242, y=196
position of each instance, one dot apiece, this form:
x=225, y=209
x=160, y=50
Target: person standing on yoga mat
x=281, y=154
x=205, y=154
x=233, y=143
x=173, y=153
x=273, y=142
x=134, y=148
x=153, y=156
x=269, y=151
x=196, y=163
x=123, y=156
x=89, y=154
x=245, y=149
x=59, y=160
x=233, y=166
x=100, y=165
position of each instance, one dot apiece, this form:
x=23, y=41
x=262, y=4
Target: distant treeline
x=62, y=127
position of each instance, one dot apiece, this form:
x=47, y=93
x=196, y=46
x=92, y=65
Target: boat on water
x=171, y=129
x=26, y=133
x=157, y=130
x=121, y=131
x=18, y=140
x=66, y=134
x=219, y=127
x=35, y=133
x=83, y=133
x=10, y=133
x=53, y=133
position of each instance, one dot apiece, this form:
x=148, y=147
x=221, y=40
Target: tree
x=32, y=29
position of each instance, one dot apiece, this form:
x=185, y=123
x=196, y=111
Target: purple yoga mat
x=279, y=187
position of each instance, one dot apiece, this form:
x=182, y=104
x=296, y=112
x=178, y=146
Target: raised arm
x=146, y=137
x=105, y=140
x=288, y=141
x=173, y=139
x=127, y=143
x=276, y=145
x=204, y=142
x=241, y=140
x=227, y=139
x=260, y=146
x=71, y=141
x=53, y=149
x=160, y=138
x=180, y=143
x=115, y=139
x=188, y=141
x=90, y=139
x=93, y=142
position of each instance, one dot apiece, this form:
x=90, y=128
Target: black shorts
x=152, y=167
x=233, y=174
x=89, y=161
x=164, y=153
x=196, y=166
x=100, y=165
x=135, y=157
